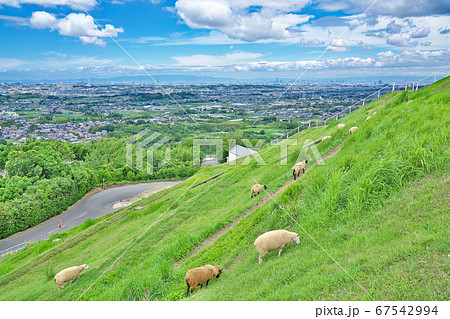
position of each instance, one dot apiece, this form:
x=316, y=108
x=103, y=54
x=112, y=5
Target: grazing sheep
x=256, y=189
x=273, y=240
x=374, y=113
x=352, y=130
x=300, y=166
x=342, y=125
x=326, y=138
x=368, y=118
x=201, y=275
x=71, y=274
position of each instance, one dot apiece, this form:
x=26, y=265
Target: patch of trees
x=45, y=177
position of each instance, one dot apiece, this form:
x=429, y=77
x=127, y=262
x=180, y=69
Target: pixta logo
x=144, y=145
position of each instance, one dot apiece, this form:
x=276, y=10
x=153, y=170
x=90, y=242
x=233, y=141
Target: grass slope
x=379, y=207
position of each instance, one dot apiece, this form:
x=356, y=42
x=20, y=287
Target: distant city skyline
x=232, y=39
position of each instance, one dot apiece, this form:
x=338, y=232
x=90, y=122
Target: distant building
x=238, y=151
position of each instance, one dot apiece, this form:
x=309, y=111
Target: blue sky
x=44, y=39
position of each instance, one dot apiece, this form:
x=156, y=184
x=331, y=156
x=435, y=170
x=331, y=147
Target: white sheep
x=273, y=240
x=326, y=138
x=201, y=275
x=374, y=113
x=67, y=274
x=342, y=125
x=368, y=118
x=256, y=189
x=352, y=130
x=300, y=166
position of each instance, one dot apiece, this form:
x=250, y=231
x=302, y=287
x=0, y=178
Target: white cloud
x=10, y=63
x=444, y=30
x=396, y=8
x=311, y=42
x=85, y=4
x=67, y=60
x=421, y=32
x=262, y=19
x=386, y=59
x=401, y=40
x=341, y=45
x=338, y=49
x=212, y=60
x=42, y=20
x=74, y=25
x=14, y=20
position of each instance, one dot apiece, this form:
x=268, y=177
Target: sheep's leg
x=187, y=293
x=261, y=256
x=207, y=282
x=279, y=252
x=192, y=290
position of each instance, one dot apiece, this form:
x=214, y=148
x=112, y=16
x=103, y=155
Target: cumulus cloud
x=311, y=43
x=397, y=8
x=386, y=59
x=444, y=30
x=42, y=20
x=405, y=58
x=400, y=33
x=86, y=4
x=341, y=45
x=74, y=25
x=393, y=28
x=421, y=32
x=401, y=40
x=262, y=19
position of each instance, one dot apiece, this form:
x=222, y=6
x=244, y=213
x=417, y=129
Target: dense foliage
x=45, y=177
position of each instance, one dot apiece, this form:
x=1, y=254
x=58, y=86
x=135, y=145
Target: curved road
x=91, y=207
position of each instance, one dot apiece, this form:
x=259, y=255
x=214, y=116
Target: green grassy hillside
x=379, y=207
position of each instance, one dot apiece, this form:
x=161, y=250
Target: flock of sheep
x=272, y=240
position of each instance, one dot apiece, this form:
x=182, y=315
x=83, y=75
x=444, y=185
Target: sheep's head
x=218, y=271
x=85, y=266
x=306, y=161
x=265, y=186
x=297, y=239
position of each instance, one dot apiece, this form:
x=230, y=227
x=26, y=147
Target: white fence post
x=393, y=87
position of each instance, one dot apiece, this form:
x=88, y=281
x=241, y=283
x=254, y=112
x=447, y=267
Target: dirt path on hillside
x=138, y=197
x=222, y=231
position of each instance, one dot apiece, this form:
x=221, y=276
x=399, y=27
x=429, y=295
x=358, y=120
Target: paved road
x=91, y=207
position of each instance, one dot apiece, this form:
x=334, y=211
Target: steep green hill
x=379, y=207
